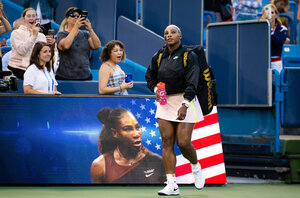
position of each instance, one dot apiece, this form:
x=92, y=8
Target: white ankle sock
x=171, y=178
x=196, y=167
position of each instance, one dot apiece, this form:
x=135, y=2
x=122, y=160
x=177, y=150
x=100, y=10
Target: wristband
x=186, y=103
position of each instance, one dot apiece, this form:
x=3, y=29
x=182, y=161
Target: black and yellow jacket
x=171, y=71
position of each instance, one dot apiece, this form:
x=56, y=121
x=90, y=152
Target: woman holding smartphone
x=111, y=76
x=278, y=35
x=22, y=42
x=75, y=45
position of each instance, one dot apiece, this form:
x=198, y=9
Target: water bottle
x=161, y=90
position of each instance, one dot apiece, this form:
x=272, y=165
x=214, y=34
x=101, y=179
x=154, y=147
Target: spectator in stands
x=22, y=42
x=5, y=59
x=176, y=119
x=245, y=9
x=45, y=11
x=123, y=159
x=4, y=24
x=278, y=36
x=39, y=77
x=283, y=7
x=4, y=27
x=111, y=76
x=63, y=27
x=215, y=7
x=74, y=46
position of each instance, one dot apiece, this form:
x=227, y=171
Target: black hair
x=34, y=58
x=110, y=119
x=106, y=51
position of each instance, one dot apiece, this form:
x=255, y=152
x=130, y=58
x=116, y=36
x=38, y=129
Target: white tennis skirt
x=169, y=111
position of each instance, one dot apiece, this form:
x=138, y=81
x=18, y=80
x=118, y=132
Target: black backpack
x=206, y=91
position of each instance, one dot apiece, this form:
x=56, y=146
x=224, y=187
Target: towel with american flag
x=206, y=139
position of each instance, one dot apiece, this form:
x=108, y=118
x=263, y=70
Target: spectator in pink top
x=22, y=42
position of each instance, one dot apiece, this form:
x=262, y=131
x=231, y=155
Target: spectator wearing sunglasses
x=74, y=46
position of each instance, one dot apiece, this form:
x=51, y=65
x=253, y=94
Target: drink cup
x=161, y=90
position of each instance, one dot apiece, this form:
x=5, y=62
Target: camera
x=84, y=14
x=10, y=84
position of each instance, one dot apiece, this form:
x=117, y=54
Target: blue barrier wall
x=88, y=87
x=221, y=57
x=241, y=62
x=127, y=8
x=188, y=15
x=155, y=15
x=291, y=106
x=290, y=85
x=140, y=43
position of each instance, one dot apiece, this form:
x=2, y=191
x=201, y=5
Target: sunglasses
x=74, y=15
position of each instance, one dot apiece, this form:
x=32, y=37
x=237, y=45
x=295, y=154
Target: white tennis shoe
x=198, y=176
x=170, y=189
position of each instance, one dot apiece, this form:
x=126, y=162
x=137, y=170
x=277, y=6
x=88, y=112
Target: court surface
x=267, y=190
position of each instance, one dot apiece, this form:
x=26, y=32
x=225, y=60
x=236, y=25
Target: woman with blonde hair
x=74, y=46
x=278, y=35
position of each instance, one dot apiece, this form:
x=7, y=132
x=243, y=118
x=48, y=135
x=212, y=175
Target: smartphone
x=38, y=22
x=128, y=78
x=51, y=33
x=84, y=14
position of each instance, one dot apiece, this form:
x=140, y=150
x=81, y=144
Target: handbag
x=225, y=12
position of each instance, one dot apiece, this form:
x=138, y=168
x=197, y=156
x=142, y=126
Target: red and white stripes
x=206, y=139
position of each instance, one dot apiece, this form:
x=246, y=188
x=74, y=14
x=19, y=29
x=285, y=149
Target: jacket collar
x=166, y=51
